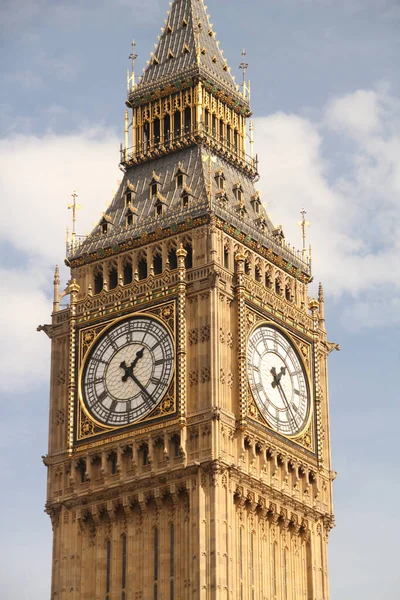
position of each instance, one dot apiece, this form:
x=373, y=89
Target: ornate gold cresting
x=241, y=328
x=73, y=290
x=181, y=254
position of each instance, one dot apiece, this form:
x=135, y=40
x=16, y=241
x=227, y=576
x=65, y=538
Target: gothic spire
x=188, y=47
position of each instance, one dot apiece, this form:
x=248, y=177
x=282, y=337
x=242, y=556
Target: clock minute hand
x=283, y=396
x=145, y=392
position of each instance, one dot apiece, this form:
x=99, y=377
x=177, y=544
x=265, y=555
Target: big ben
x=189, y=443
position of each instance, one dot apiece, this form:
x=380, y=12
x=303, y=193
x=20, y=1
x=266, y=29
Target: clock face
x=128, y=371
x=278, y=381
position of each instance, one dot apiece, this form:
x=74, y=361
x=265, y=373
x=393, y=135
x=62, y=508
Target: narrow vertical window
x=123, y=577
x=273, y=559
x=285, y=592
x=241, y=562
x=156, y=564
x=252, y=564
x=108, y=570
x=172, y=562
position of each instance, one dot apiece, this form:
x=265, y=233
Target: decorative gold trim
x=304, y=437
x=86, y=425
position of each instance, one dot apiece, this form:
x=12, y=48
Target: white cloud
x=352, y=199
x=24, y=354
x=50, y=167
x=38, y=177
x=358, y=113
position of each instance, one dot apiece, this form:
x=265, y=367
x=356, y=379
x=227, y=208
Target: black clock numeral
x=102, y=396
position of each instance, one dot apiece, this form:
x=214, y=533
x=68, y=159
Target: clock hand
x=277, y=377
x=145, y=392
x=139, y=355
x=129, y=370
x=283, y=396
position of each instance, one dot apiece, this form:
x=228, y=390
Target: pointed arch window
x=256, y=203
x=185, y=200
x=112, y=277
x=220, y=179
x=189, y=256
x=159, y=208
x=130, y=215
x=172, y=259
x=128, y=273
x=105, y=223
x=142, y=267
x=157, y=262
x=226, y=257
x=180, y=176
x=238, y=192
x=98, y=281
x=130, y=193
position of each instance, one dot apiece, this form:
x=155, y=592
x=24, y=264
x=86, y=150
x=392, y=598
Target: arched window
x=172, y=259
x=226, y=257
x=144, y=454
x=128, y=273
x=207, y=120
x=167, y=129
x=157, y=130
x=176, y=446
x=221, y=131
x=146, y=128
x=157, y=263
x=188, y=119
x=185, y=200
x=142, y=268
x=112, y=459
x=113, y=278
x=258, y=273
x=81, y=468
x=189, y=255
x=98, y=282
x=177, y=124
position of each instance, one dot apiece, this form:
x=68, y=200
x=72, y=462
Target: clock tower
x=189, y=445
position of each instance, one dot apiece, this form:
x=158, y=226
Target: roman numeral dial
x=278, y=381
x=128, y=371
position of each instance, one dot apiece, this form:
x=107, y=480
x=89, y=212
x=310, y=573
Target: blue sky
x=326, y=98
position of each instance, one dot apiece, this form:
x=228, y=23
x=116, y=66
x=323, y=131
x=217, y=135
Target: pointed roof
x=188, y=46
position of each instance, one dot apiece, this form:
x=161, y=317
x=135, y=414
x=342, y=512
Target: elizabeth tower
x=189, y=447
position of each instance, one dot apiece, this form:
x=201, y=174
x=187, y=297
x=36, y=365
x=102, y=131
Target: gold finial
x=131, y=75
x=74, y=206
x=244, y=65
x=304, y=224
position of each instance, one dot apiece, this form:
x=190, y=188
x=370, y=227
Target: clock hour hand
x=139, y=355
x=129, y=370
x=277, y=376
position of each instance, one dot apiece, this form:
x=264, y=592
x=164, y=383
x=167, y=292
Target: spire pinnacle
x=131, y=75
x=74, y=207
x=304, y=224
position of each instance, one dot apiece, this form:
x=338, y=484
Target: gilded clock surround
x=87, y=425
x=200, y=499
x=304, y=350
